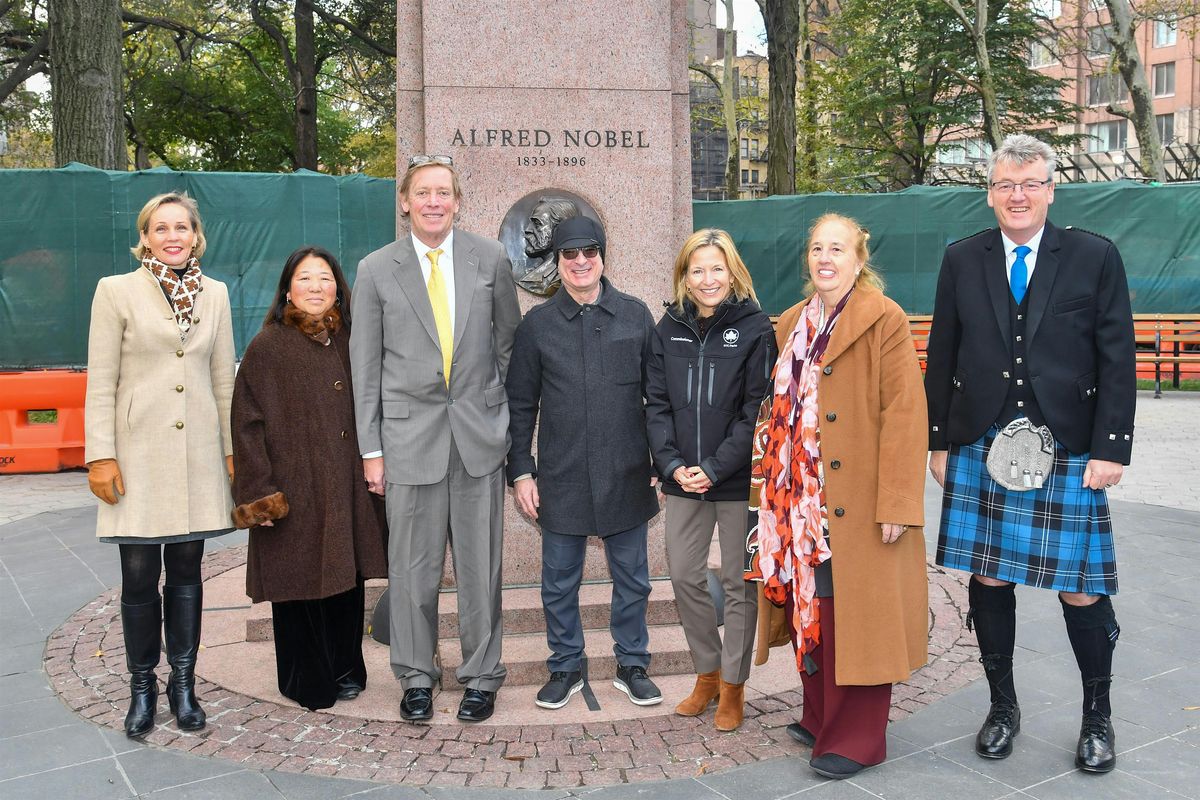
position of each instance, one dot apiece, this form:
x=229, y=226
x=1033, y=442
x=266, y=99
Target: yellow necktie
x=441, y=312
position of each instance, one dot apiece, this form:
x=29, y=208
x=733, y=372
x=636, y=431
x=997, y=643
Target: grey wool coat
x=296, y=461
x=578, y=371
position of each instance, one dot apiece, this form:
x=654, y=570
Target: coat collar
x=570, y=309
x=412, y=282
x=863, y=310
x=995, y=272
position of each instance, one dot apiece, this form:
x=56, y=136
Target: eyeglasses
x=572, y=253
x=422, y=160
x=1029, y=187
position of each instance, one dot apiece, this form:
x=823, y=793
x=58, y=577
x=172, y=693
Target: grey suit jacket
x=402, y=404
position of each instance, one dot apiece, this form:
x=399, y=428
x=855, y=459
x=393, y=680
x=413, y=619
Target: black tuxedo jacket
x=1079, y=346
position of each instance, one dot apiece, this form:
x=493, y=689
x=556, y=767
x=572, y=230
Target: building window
x=1105, y=136
x=1164, y=79
x=1098, y=43
x=745, y=176
x=1039, y=54
x=745, y=148
x=754, y=176
x=1165, y=32
x=1106, y=88
x=754, y=149
x=964, y=151
x=1166, y=127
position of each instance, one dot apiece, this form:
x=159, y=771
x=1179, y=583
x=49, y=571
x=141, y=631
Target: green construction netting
x=1156, y=228
x=62, y=230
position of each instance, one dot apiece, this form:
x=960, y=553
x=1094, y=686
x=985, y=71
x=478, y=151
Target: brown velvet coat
x=872, y=410
x=294, y=435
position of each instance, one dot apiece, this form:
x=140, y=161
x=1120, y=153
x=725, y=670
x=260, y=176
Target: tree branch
x=27, y=67
x=354, y=30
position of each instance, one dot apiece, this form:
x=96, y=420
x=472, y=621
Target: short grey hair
x=1021, y=148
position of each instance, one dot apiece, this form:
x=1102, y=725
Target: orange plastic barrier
x=41, y=446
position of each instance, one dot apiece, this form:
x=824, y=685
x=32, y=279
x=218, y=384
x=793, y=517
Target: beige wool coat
x=160, y=407
x=871, y=404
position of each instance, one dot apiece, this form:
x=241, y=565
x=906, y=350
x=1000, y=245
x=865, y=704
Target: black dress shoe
x=1097, y=750
x=996, y=736
x=831, y=765
x=801, y=734
x=417, y=704
x=477, y=705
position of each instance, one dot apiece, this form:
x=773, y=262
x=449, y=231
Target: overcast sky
x=748, y=21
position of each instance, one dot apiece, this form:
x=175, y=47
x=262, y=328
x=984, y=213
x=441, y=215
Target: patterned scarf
x=787, y=485
x=181, y=292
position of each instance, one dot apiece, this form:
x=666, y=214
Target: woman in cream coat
x=159, y=448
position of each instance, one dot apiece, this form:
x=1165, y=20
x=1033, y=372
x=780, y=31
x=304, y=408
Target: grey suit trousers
x=469, y=513
x=689, y=532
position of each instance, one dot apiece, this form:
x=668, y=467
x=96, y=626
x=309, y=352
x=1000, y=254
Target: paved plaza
x=60, y=735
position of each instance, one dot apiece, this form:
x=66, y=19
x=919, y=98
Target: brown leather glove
x=104, y=479
x=229, y=467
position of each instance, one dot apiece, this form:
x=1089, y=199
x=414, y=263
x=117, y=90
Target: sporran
x=1021, y=456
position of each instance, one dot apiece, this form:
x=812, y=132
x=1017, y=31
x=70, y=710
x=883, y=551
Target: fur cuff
x=248, y=515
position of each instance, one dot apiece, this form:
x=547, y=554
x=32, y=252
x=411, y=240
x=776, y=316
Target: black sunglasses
x=572, y=253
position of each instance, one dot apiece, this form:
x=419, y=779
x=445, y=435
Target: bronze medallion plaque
x=526, y=231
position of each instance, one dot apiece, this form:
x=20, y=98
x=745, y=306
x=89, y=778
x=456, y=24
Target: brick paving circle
x=85, y=662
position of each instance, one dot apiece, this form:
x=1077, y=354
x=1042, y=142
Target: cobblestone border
x=85, y=661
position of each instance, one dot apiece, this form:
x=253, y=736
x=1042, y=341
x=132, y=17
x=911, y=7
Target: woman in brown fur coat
x=315, y=531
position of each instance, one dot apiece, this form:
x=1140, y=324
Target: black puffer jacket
x=703, y=394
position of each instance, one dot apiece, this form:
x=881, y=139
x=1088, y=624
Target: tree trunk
x=306, y=87
x=806, y=144
x=1129, y=64
x=782, y=22
x=729, y=107
x=85, y=78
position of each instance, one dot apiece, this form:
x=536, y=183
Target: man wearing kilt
x=1032, y=337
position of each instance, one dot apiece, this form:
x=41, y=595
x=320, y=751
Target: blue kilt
x=1057, y=537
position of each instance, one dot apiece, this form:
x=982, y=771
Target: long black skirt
x=318, y=647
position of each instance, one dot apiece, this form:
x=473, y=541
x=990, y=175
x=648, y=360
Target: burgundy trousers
x=850, y=721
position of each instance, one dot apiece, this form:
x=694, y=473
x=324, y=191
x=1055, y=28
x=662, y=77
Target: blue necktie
x=1018, y=278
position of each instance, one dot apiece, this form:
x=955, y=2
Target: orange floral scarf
x=787, y=486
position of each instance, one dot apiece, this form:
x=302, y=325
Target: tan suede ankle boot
x=731, y=708
x=708, y=685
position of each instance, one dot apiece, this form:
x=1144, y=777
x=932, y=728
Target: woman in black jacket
x=713, y=353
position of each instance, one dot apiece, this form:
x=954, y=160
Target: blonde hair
x=868, y=274
x=740, y=284
x=154, y=204
x=410, y=173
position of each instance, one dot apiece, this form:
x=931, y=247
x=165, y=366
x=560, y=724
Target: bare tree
x=729, y=104
x=85, y=82
x=1128, y=62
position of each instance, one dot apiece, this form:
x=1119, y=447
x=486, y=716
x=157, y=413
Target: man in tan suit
x=434, y=316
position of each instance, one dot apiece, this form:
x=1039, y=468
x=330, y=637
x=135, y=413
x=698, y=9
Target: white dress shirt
x=1030, y=260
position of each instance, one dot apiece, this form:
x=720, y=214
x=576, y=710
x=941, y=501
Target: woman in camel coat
x=862, y=427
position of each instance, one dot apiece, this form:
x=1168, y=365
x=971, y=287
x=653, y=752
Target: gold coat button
x=179, y=425
x=179, y=388
x=179, y=353
x=338, y=385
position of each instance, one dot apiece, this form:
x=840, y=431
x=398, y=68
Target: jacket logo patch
x=680, y=339
x=730, y=336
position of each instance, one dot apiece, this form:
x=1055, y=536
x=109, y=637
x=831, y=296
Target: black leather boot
x=1093, y=632
x=993, y=614
x=141, y=625
x=181, y=615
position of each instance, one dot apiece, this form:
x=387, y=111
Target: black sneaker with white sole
x=632, y=681
x=558, y=690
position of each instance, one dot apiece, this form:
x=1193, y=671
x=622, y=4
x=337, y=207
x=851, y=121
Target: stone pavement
x=53, y=575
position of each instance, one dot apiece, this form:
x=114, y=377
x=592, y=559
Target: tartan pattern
x=1057, y=537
